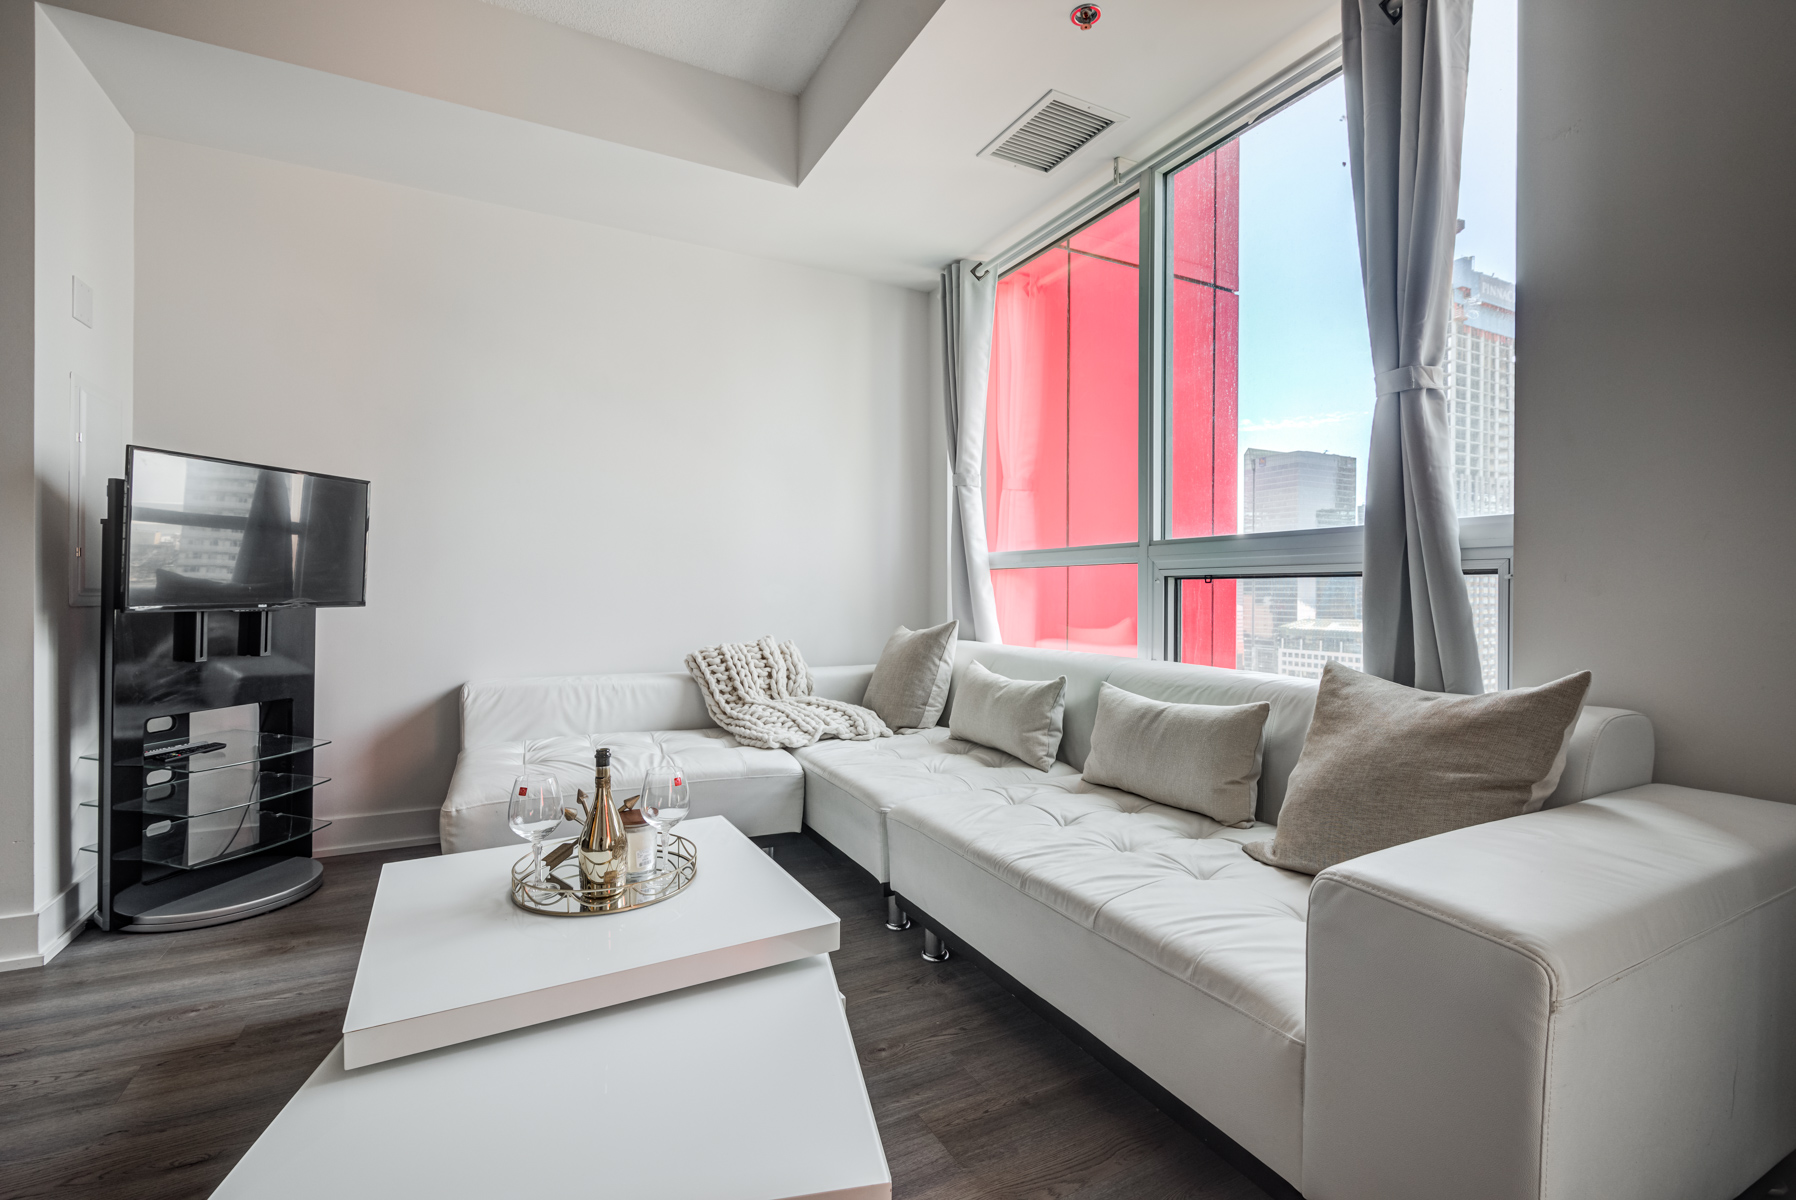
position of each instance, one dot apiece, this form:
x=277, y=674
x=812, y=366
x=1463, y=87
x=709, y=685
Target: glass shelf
x=197, y=842
x=242, y=748
x=214, y=792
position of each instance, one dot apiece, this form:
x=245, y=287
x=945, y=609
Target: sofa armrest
x=1586, y=1001
x=847, y=684
x=1609, y=749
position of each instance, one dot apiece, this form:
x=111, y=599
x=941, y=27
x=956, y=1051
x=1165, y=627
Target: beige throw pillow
x=910, y=682
x=1016, y=716
x=1204, y=758
x=1386, y=764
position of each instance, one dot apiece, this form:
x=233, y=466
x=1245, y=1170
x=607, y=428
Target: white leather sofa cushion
x=760, y=791
x=851, y=786
x=1171, y=886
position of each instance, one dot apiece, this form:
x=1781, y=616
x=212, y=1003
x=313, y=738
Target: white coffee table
x=448, y=958
x=746, y=1088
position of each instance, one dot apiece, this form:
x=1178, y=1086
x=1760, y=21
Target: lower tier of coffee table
x=747, y=1088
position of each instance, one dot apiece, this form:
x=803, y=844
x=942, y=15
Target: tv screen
x=206, y=533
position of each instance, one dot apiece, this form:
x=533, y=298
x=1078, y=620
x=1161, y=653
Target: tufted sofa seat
x=1143, y=923
x=1170, y=886
x=850, y=787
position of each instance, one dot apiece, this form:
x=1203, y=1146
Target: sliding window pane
x=1068, y=608
x=1061, y=415
x=1284, y=626
x=1291, y=626
x=1207, y=629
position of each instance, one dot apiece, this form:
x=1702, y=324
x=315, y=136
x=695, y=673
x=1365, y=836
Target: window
x=1231, y=264
x=1069, y=608
x=1292, y=364
x=1061, y=436
x=1292, y=625
x=1062, y=403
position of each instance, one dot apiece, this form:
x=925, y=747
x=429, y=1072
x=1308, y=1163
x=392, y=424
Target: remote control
x=183, y=750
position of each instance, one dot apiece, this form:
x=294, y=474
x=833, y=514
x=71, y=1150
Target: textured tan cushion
x=1204, y=758
x=1386, y=764
x=910, y=683
x=1020, y=717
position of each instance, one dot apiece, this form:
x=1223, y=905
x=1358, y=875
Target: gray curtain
x=1405, y=67
x=967, y=309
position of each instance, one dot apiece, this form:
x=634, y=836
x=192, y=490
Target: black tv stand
x=223, y=830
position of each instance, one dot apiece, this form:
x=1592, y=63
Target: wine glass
x=535, y=809
x=666, y=799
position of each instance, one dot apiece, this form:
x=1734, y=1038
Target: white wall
x=18, y=481
x=590, y=450
x=80, y=175
x=1656, y=434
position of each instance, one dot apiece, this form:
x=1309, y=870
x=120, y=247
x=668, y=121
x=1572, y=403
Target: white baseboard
x=37, y=937
x=361, y=832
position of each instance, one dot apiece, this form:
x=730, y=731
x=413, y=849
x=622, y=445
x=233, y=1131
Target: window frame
x=1486, y=542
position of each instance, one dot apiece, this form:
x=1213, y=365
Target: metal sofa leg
x=896, y=918
x=934, y=948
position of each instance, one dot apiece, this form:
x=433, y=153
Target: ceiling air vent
x=1049, y=132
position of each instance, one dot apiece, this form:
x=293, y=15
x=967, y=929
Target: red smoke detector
x=1086, y=15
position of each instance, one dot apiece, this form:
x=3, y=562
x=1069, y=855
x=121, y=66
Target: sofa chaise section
x=553, y=724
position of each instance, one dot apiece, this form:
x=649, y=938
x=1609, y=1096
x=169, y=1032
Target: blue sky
x=1306, y=368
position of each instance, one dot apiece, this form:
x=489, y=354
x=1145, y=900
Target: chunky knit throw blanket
x=760, y=693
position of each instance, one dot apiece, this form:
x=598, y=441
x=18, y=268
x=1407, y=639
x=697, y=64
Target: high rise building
x=1481, y=391
x=1297, y=489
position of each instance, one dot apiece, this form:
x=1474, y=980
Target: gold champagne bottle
x=603, y=844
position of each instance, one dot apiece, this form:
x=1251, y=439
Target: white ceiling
x=899, y=192
x=777, y=44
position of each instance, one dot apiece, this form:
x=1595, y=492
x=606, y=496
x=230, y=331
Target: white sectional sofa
x=1588, y=1001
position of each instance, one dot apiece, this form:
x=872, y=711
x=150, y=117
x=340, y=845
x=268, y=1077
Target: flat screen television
x=207, y=533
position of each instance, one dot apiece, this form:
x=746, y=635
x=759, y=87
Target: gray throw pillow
x=910, y=682
x=1016, y=716
x=1386, y=764
x=1204, y=758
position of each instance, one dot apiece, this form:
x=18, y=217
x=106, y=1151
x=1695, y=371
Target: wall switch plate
x=81, y=304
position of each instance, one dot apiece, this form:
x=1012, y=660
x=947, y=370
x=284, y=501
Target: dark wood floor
x=143, y=1067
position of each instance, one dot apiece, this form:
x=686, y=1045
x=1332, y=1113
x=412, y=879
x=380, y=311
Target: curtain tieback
x=1411, y=378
